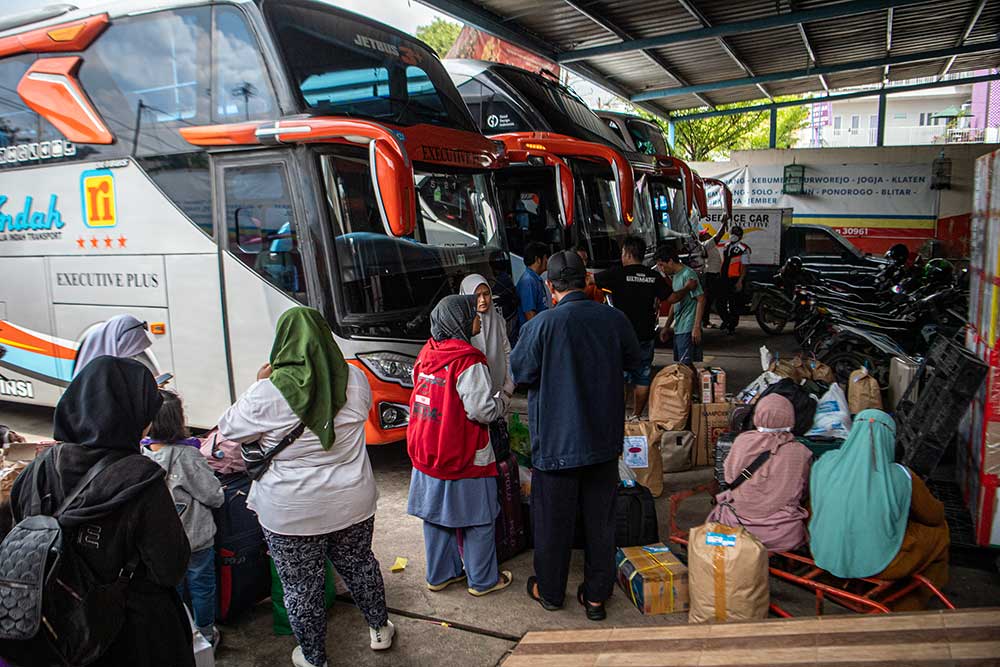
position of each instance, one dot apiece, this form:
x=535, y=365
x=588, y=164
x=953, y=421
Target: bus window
x=148, y=76
x=19, y=124
x=260, y=225
x=186, y=180
x=349, y=68
x=242, y=89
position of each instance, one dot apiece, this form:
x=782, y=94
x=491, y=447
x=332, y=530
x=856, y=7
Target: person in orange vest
x=735, y=258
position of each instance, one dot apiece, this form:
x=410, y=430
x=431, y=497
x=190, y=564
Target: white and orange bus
x=205, y=166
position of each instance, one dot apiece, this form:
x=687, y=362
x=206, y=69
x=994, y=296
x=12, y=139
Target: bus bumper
x=390, y=411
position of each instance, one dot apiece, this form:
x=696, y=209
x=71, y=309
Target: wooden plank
x=928, y=639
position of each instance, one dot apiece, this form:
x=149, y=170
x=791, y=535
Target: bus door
x=260, y=259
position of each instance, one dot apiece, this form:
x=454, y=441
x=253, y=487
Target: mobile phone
x=163, y=379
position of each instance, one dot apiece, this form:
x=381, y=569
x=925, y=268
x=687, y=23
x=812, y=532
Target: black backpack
x=635, y=516
x=798, y=396
x=53, y=610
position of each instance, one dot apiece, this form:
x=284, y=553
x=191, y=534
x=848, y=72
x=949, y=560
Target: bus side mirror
x=392, y=181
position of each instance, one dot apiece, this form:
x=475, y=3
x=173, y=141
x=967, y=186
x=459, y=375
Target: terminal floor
x=490, y=626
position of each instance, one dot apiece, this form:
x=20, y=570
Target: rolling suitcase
x=511, y=526
x=244, y=574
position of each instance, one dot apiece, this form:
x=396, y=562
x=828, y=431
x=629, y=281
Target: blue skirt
x=453, y=503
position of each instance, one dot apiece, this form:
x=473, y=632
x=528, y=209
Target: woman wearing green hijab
x=872, y=517
x=317, y=499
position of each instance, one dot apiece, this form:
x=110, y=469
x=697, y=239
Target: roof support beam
x=624, y=36
x=722, y=42
x=849, y=8
x=827, y=69
x=812, y=55
x=888, y=46
x=875, y=92
x=976, y=13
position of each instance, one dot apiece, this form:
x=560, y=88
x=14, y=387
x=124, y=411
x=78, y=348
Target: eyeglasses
x=144, y=325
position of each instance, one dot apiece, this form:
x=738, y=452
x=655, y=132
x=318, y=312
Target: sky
x=403, y=15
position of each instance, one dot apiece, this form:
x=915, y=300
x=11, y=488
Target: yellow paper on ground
x=400, y=564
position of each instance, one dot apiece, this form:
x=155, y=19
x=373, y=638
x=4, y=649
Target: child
x=195, y=491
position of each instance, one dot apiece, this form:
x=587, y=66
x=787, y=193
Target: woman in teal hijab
x=874, y=517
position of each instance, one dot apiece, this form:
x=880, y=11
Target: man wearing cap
x=573, y=358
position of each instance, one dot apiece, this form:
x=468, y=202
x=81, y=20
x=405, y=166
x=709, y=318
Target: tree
x=715, y=138
x=439, y=35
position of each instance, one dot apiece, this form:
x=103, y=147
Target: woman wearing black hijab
x=126, y=511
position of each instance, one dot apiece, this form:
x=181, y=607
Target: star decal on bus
x=121, y=241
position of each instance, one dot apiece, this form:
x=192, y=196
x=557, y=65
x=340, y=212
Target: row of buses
x=205, y=166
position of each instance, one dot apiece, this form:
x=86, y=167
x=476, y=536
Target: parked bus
x=534, y=112
x=206, y=166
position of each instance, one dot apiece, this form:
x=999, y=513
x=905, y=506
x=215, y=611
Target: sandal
x=594, y=612
x=532, y=585
x=503, y=582
x=445, y=584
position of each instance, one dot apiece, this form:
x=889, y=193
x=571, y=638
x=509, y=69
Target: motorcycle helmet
x=898, y=254
x=794, y=264
x=736, y=233
x=938, y=272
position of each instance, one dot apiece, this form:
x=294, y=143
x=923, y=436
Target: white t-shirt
x=307, y=490
x=713, y=256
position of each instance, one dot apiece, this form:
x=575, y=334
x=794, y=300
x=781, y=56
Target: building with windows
x=961, y=113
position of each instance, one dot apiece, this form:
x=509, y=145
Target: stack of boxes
x=710, y=417
x=979, y=459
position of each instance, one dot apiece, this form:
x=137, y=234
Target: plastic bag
x=519, y=439
x=624, y=472
x=752, y=390
x=833, y=416
x=641, y=452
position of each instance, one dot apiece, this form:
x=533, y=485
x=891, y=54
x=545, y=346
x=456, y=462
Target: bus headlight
x=393, y=415
x=390, y=366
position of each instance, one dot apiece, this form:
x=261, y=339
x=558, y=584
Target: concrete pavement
x=426, y=621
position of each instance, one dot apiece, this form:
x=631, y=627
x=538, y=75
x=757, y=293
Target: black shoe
x=594, y=612
x=547, y=606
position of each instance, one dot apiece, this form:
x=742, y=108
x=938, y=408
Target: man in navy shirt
x=573, y=358
x=531, y=292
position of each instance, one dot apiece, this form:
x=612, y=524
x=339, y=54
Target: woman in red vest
x=453, y=484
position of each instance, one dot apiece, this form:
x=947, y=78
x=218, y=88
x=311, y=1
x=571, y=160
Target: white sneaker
x=382, y=637
x=299, y=660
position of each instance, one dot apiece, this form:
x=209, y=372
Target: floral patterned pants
x=301, y=560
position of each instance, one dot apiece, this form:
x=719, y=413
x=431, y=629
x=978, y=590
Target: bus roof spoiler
x=563, y=175
x=391, y=168
x=564, y=146
x=35, y=16
x=68, y=37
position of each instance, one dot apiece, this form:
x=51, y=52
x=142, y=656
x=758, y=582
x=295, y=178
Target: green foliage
x=715, y=138
x=439, y=34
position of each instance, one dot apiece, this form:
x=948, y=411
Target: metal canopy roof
x=668, y=55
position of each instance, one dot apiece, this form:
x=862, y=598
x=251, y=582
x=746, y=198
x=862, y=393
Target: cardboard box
x=713, y=385
x=653, y=579
x=708, y=421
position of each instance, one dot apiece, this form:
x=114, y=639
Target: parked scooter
x=846, y=338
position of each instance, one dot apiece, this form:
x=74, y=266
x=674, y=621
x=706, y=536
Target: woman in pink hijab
x=769, y=502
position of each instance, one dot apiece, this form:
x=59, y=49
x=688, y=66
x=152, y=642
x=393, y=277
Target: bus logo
x=97, y=193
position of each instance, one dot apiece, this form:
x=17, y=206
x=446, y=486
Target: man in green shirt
x=685, y=315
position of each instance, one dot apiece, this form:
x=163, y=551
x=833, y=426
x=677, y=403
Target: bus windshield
x=344, y=66
x=647, y=136
x=394, y=281
x=669, y=210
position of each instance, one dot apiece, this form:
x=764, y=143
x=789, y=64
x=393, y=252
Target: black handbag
x=258, y=459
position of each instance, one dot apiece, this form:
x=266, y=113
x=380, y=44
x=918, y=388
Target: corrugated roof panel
x=927, y=26
x=770, y=51
x=701, y=61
